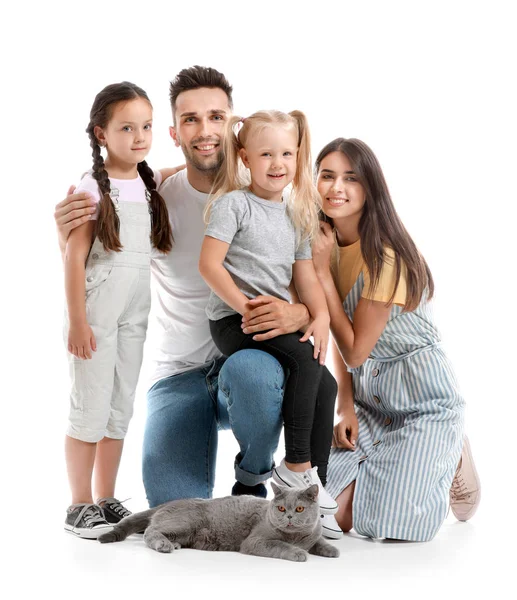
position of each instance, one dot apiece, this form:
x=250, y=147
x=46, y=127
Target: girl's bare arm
x=213, y=253
x=80, y=339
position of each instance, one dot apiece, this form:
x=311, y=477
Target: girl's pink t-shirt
x=130, y=190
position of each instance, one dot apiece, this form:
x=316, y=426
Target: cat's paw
x=161, y=545
x=107, y=538
x=297, y=555
x=322, y=548
x=331, y=552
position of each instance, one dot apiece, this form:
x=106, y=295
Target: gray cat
x=287, y=527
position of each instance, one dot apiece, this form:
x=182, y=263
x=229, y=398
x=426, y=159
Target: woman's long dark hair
x=380, y=226
x=108, y=224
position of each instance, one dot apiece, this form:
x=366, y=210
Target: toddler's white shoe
x=329, y=527
x=284, y=477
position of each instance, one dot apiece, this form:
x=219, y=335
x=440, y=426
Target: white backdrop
x=428, y=85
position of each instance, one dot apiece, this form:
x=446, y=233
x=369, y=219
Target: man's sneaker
x=329, y=527
x=114, y=511
x=465, y=492
x=284, y=477
x=86, y=521
x=259, y=490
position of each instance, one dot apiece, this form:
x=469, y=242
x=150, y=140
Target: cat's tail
x=133, y=524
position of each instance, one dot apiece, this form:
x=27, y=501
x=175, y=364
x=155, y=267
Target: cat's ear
x=276, y=490
x=312, y=492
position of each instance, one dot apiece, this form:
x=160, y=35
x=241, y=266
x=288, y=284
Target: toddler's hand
x=81, y=340
x=319, y=330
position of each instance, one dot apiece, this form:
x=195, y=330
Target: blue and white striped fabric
x=410, y=415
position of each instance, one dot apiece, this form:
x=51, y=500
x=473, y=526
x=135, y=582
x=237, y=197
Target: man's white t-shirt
x=179, y=323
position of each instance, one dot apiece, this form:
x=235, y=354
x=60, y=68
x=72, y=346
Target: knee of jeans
x=251, y=369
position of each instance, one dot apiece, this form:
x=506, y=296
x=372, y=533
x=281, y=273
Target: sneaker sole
x=326, y=510
x=331, y=533
x=88, y=534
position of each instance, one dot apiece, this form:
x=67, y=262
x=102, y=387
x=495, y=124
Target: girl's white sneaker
x=284, y=477
x=330, y=528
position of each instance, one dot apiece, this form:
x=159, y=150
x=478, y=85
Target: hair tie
x=240, y=125
x=114, y=194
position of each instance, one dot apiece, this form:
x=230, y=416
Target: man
x=194, y=390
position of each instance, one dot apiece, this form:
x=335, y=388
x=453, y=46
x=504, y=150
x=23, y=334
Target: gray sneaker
x=86, y=521
x=114, y=511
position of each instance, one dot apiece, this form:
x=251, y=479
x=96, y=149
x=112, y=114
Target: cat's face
x=293, y=510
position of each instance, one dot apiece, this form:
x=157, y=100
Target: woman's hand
x=322, y=248
x=346, y=431
x=319, y=330
x=81, y=341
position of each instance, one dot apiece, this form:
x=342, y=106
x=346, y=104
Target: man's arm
x=72, y=212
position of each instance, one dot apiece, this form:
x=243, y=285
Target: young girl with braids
x=258, y=243
x=107, y=281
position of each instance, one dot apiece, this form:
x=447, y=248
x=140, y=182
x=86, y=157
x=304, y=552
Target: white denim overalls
x=118, y=300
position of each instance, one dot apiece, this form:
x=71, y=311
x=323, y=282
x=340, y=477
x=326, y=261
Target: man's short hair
x=198, y=77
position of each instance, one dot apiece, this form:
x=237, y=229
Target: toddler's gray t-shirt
x=263, y=247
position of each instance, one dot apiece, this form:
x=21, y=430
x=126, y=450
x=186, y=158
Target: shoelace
x=459, y=489
x=116, y=506
x=91, y=514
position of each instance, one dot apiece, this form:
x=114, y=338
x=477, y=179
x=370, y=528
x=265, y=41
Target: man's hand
x=73, y=211
x=277, y=317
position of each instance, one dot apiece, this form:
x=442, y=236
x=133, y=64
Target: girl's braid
x=108, y=223
x=161, y=231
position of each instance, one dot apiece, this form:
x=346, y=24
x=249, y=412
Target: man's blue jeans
x=185, y=411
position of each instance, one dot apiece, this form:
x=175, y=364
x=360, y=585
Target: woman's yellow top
x=348, y=263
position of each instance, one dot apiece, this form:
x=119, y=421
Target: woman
x=400, y=434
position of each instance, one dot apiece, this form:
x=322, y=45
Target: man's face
x=200, y=120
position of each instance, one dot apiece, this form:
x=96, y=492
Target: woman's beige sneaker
x=465, y=492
